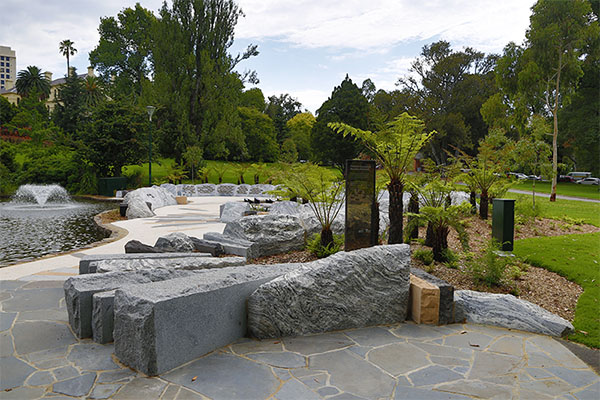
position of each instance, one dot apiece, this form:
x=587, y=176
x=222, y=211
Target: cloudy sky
x=306, y=46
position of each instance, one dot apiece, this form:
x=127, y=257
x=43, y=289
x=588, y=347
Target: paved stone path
x=40, y=358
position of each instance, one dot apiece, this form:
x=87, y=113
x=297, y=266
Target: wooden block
x=181, y=199
x=424, y=301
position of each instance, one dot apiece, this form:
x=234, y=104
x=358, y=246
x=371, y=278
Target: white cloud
x=487, y=25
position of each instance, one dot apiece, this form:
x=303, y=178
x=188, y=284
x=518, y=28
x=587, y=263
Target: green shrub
x=424, y=255
x=450, y=258
x=315, y=247
x=134, y=177
x=489, y=267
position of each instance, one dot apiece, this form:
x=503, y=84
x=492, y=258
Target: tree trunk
x=220, y=179
x=256, y=179
x=473, y=201
x=555, y=134
x=440, y=242
x=413, y=207
x=429, y=235
x=395, y=189
x=376, y=221
x=483, y=205
x=326, y=237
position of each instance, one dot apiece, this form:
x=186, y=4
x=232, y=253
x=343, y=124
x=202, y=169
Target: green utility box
x=503, y=223
x=108, y=186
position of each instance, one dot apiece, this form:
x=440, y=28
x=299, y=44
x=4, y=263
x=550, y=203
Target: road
x=558, y=196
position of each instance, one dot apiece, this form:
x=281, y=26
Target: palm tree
x=32, y=80
x=66, y=49
x=92, y=91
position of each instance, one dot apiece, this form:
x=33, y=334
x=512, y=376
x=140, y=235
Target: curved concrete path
x=41, y=358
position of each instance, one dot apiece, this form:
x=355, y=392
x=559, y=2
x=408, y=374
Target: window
x=7, y=76
x=1, y=64
x=1, y=57
x=2, y=76
x=8, y=64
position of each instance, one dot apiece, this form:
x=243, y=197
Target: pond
x=30, y=229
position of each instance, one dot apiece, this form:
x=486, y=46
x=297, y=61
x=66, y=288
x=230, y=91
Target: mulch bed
x=537, y=285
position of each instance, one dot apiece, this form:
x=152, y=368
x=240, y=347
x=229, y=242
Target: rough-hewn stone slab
x=233, y=211
x=446, y=297
x=175, y=242
x=346, y=290
x=161, y=325
x=185, y=263
x=271, y=234
x=507, y=311
x=79, y=291
x=235, y=246
x=87, y=265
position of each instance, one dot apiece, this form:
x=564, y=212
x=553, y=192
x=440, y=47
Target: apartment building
x=8, y=68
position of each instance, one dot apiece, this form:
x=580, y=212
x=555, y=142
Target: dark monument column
x=360, y=203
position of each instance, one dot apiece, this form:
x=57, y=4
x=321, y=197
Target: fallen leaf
x=194, y=378
x=463, y=332
x=473, y=345
x=277, y=342
x=316, y=380
x=584, y=332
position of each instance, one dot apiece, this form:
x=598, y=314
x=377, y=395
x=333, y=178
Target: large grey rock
x=346, y=290
x=79, y=290
x=175, y=242
x=271, y=234
x=184, y=263
x=161, y=325
x=137, y=247
x=226, y=189
x=206, y=189
x=285, y=208
x=235, y=246
x=88, y=264
x=446, y=314
x=204, y=246
x=233, y=211
x=137, y=208
x=159, y=197
x=507, y=311
x=169, y=187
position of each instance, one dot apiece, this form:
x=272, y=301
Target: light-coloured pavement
x=200, y=215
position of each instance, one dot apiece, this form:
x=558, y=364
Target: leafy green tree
x=7, y=111
x=289, y=154
x=117, y=136
x=253, y=98
x=543, y=75
x=32, y=80
x=394, y=146
x=281, y=109
x=300, y=127
x=69, y=111
x=123, y=55
x=260, y=135
x=322, y=188
x=240, y=170
x=193, y=157
x=195, y=78
x=447, y=90
x=346, y=104
x=532, y=154
x=67, y=49
x=579, y=120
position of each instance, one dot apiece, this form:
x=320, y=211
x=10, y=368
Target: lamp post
x=150, y=110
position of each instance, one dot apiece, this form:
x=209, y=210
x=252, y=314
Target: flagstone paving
x=41, y=358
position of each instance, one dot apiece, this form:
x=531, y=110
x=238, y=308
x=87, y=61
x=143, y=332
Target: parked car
x=534, y=177
x=565, y=178
x=517, y=175
x=589, y=181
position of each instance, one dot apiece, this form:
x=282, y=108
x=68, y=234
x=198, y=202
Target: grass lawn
x=562, y=188
x=588, y=212
x=576, y=257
